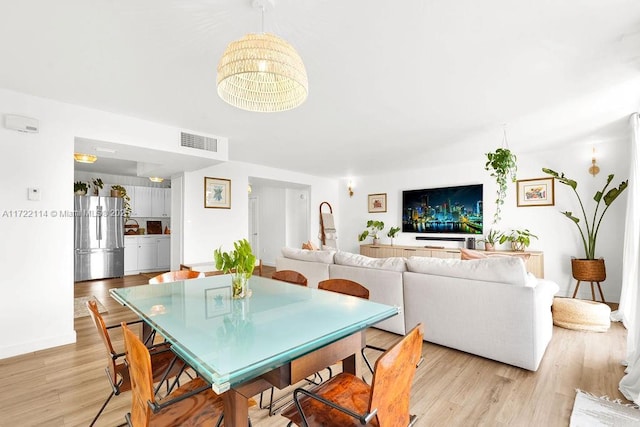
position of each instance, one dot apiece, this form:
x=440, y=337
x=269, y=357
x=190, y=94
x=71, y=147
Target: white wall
x=558, y=237
x=297, y=214
x=36, y=308
x=207, y=229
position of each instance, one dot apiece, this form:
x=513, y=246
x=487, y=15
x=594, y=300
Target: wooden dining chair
x=191, y=404
x=174, y=276
x=165, y=364
x=346, y=400
x=290, y=276
x=344, y=286
x=349, y=287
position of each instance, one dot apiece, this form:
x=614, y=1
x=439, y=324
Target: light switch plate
x=34, y=193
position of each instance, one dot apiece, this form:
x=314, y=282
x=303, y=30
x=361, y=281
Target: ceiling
x=392, y=84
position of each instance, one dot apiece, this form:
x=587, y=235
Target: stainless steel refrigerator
x=99, y=237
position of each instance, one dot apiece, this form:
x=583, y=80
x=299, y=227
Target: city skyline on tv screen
x=443, y=210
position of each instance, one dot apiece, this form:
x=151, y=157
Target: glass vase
x=240, y=286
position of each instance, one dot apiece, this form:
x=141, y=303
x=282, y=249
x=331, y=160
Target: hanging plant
x=502, y=165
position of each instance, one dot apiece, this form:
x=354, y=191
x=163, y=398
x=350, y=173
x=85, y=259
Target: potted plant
x=241, y=262
x=393, y=231
x=120, y=191
x=589, y=269
x=97, y=185
x=519, y=239
x=374, y=227
x=491, y=240
x=80, y=188
x=503, y=167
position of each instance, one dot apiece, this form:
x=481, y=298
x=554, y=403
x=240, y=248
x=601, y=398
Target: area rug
x=80, y=306
x=591, y=411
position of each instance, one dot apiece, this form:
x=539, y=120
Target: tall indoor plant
x=240, y=262
x=589, y=268
x=503, y=167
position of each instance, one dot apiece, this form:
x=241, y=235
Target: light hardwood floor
x=65, y=386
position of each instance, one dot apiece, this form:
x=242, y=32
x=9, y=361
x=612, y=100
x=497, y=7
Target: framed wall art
x=217, y=193
x=378, y=202
x=535, y=192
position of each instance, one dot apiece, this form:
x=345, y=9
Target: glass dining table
x=277, y=337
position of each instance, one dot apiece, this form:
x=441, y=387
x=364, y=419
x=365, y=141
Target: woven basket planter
x=588, y=270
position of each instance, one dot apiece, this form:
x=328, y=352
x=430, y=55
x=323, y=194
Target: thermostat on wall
x=21, y=124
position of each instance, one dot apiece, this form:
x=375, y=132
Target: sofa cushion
x=325, y=257
x=508, y=270
x=467, y=254
x=355, y=260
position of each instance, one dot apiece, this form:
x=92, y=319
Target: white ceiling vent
x=199, y=142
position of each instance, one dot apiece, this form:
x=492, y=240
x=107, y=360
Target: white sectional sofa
x=489, y=307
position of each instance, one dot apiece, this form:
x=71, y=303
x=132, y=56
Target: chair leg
x=576, y=290
x=104, y=405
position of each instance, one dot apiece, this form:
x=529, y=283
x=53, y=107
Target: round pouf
x=581, y=315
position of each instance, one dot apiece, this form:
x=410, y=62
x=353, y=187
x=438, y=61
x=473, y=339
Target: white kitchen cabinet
x=141, y=198
x=167, y=202
x=130, y=254
x=160, y=202
x=164, y=252
x=147, y=253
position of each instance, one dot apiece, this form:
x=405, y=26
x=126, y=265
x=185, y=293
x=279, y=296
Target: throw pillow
x=310, y=246
x=467, y=254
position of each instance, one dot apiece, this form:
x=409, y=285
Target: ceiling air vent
x=199, y=142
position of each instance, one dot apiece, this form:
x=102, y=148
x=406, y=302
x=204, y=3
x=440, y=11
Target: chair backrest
x=174, y=276
x=139, y=362
x=344, y=286
x=393, y=377
x=290, y=276
x=98, y=320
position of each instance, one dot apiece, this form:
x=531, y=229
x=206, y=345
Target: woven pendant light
x=263, y=73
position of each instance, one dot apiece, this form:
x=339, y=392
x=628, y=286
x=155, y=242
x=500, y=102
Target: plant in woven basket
x=126, y=205
x=589, y=229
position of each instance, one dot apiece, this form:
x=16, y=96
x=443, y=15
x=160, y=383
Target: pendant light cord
x=505, y=143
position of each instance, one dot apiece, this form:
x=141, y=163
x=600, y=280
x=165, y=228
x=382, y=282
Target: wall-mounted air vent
x=199, y=142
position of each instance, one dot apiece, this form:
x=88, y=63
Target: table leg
x=236, y=409
x=349, y=365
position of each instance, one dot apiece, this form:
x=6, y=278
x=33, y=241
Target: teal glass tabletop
x=229, y=341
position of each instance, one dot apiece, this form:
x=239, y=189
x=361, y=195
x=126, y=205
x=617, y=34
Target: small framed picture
x=535, y=192
x=218, y=301
x=217, y=193
x=378, y=202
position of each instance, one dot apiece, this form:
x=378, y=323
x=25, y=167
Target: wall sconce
x=350, y=189
x=594, y=169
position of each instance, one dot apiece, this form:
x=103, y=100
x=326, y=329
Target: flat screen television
x=443, y=210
